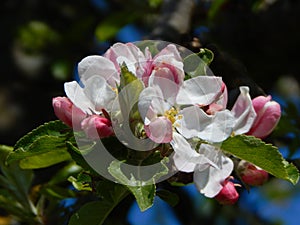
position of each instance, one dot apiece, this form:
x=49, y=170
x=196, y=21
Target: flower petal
x=163, y=79
x=209, y=181
x=201, y=90
x=100, y=66
x=99, y=92
x=151, y=103
x=76, y=94
x=186, y=158
x=129, y=54
x=194, y=122
x=159, y=130
x=243, y=111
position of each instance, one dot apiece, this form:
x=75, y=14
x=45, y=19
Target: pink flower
x=166, y=64
x=268, y=115
x=96, y=127
x=252, y=175
x=228, y=195
x=67, y=112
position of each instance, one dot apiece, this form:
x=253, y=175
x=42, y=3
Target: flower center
x=171, y=114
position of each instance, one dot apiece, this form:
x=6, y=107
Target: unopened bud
x=228, y=195
x=67, y=112
x=268, y=115
x=96, y=127
x=252, y=175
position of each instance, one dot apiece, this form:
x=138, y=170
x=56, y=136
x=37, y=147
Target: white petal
x=194, y=122
x=162, y=79
x=186, y=155
x=182, y=164
x=129, y=54
x=151, y=103
x=100, y=66
x=201, y=90
x=243, y=111
x=99, y=92
x=159, y=130
x=209, y=181
x=76, y=94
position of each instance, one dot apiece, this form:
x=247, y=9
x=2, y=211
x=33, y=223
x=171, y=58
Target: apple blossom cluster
x=188, y=114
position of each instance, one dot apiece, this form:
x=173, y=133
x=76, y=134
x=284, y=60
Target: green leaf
x=16, y=184
x=53, y=128
x=43, y=152
x=42, y=147
x=78, y=158
x=197, y=64
x=206, y=55
x=143, y=191
x=95, y=213
x=263, y=155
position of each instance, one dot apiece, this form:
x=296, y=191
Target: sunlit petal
x=99, y=66
x=201, y=90
x=243, y=111
x=159, y=130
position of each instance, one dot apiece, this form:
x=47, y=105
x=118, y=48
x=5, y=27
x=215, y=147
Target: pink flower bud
x=228, y=195
x=67, y=112
x=268, y=115
x=96, y=127
x=252, y=175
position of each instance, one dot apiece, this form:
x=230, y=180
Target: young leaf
x=43, y=152
x=197, y=64
x=143, y=191
x=95, y=213
x=78, y=158
x=54, y=128
x=263, y=155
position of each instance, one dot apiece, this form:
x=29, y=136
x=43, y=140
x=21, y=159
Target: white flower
x=209, y=177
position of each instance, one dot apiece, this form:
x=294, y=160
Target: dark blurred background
x=256, y=42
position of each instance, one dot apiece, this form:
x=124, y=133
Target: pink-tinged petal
x=163, y=79
x=151, y=103
x=170, y=58
x=259, y=102
x=165, y=53
x=186, y=158
x=99, y=92
x=244, y=112
x=160, y=130
x=96, y=127
x=194, y=122
x=67, y=112
x=223, y=99
x=99, y=66
x=76, y=94
x=209, y=181
x=268, y=116
x=129, y=54
x=201, y=90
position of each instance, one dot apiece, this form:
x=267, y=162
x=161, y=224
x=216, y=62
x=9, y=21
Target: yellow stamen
x=171, y=114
